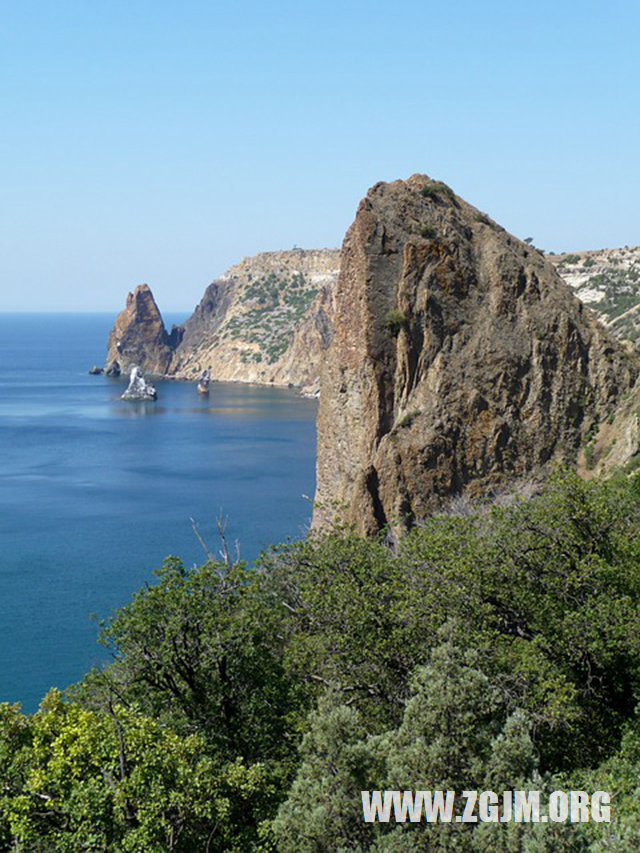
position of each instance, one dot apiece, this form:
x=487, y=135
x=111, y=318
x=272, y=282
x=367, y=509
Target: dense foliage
x=247, y=707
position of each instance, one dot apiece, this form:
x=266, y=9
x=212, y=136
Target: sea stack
x=139, y=388
x=459, y=362
x=203, y=382
x=139, y=337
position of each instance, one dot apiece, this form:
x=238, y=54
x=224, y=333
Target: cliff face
x=139, y=337
x=459, y=361
x=266, y=320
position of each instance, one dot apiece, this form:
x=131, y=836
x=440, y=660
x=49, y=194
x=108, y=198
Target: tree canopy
x=246, y=707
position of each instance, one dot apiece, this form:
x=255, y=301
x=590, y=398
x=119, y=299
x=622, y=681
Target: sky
x=161, y=142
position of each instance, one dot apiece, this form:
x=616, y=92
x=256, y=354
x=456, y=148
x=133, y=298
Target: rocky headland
x=266, y=320
x=460, y=362
x=269, y=318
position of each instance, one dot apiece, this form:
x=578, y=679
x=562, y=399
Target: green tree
x=200, y=650
x=80, y=780
x=323, y=811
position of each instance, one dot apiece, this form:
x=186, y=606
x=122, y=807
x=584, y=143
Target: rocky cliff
x=139, y=337
x=459, y=361
x=608, y=280
x=266, y=320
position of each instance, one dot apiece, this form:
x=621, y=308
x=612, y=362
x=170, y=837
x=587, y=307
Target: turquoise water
x=95, y=492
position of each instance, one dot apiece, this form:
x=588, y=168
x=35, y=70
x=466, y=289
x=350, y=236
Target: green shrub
x=633, y=464
x=589, y=456
x=483, y=219
x=437, y=190
x=492, y=650
x=394, y=321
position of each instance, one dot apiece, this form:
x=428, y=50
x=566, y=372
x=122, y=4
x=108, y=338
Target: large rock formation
x=266, y=320
x=139, y=337
x=244, y=338
x=459, y=361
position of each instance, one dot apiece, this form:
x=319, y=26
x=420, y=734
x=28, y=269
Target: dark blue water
x=95, y=492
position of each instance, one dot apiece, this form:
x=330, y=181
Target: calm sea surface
x=95, y=492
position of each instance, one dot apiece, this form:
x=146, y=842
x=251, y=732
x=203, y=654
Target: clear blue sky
x=163, y=141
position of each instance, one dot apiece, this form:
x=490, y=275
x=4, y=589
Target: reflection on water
x=137, y=408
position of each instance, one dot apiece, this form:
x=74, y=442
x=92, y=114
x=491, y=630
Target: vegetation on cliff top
x=609, y=281
x=245, y=709
x=272, y=306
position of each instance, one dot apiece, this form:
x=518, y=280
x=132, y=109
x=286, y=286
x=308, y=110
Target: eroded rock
x=203, y=382
x=139, y=388
x=265, y=320
x=139, y=337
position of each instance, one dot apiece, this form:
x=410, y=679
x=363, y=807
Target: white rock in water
x=139, y=388
x=203, y=384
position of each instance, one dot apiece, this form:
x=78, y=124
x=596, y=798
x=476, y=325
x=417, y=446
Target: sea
x=95, y=492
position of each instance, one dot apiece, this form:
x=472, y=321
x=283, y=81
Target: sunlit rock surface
x=139, y=388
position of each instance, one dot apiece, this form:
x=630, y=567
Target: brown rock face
x=459, y=361
x=139, y=336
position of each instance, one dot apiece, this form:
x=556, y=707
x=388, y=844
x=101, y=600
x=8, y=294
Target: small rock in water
x=139, y=388
x=203, y=383
x=96, y=371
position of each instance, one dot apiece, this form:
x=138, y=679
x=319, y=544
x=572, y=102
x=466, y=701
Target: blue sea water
x=96, y=492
